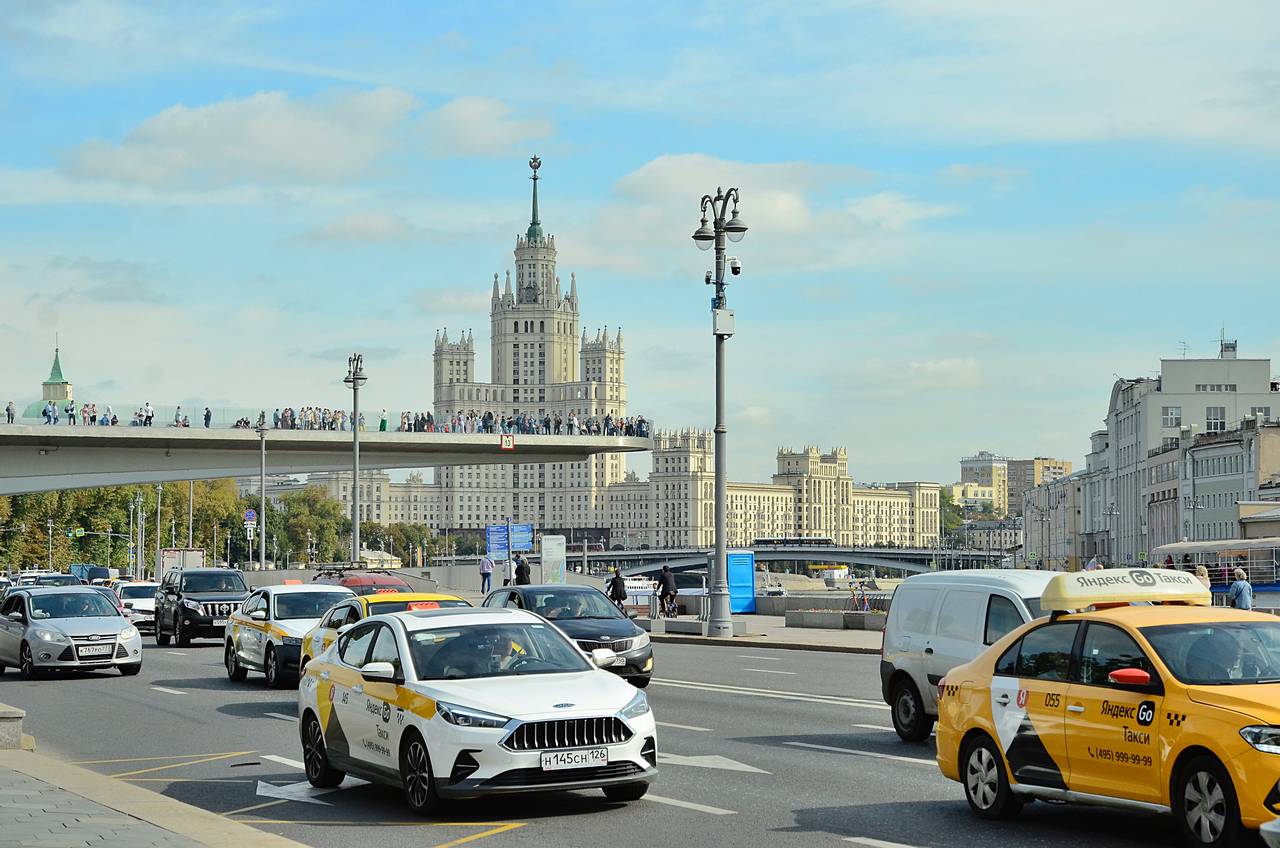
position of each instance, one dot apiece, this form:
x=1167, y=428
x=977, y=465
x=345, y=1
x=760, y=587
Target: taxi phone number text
x=1122, y=757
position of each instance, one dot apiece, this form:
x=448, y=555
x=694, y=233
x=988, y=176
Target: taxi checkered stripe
x=1175, y=719
x=951, y=689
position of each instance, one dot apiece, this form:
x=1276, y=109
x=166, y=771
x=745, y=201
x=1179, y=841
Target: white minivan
x=944, y=619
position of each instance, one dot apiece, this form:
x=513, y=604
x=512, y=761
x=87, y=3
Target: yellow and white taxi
x=266, y=633
x=461, y=703
x=1134, y=693
x=361, y=607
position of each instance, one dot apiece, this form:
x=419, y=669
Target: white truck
x=180, y=559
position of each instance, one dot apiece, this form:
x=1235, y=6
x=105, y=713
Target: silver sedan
x=65, y=627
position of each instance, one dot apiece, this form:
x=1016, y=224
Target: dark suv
x=196, y=602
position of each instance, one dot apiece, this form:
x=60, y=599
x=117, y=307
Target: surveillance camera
x=707, y=278
x=735, y=266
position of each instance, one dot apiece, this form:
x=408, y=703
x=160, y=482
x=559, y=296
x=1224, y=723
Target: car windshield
x=384, y=607
x=306, y=604
x=554, y=604
x=109, y=594
x=71, y=605
x=58, y=580
x=493, y=650
x=135, y=593
x=1219, y=653
x=218, y=582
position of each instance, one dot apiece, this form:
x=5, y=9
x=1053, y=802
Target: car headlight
x=639, y=706
x=129, y=632
x=190, y=604
x=642, y=641
x=291, y=640
x=1263, y=738
x=52, y=636
x=467, y=717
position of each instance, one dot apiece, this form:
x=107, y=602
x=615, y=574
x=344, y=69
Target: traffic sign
x=507, y=442
x=79, y=531
x=250, y=516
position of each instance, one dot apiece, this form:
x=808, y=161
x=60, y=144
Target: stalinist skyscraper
x=542, y=361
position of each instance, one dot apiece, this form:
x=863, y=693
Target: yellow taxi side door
x=1112, y=732
x=1028, y=704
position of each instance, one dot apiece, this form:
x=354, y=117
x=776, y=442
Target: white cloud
x=890, y=210
x=469, y=301
x=969, y=173
x=267, y=137
x=480, y=126
x=364, y=227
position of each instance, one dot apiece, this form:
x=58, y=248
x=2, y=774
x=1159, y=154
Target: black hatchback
x=195, y=603
x=590, y=619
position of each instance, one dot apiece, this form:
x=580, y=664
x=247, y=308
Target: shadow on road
x=259, y=709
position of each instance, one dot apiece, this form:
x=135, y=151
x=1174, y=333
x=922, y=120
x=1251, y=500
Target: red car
x=111, y=596
x=365, y=582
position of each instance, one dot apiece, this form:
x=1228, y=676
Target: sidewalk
x=45, y=803
x=770, y=631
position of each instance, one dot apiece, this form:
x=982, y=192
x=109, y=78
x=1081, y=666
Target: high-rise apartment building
x=987, y=469
x=1026, y=474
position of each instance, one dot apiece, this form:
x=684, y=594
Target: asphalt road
x=802, y=754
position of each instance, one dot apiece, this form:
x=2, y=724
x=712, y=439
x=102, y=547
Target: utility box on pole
x=179, y=559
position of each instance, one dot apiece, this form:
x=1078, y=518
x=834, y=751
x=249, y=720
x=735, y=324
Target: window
x=1171, y=416
x=1008, y=662
x=1215, y=419
x=958, y=616
x=1002, y=618
x=385, y=650
x=1046, y=652
x=355, y=645
x=1264, y=411
x=915, y=609
x=1107, y=649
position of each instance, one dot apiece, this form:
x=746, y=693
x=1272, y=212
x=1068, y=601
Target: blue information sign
x=521, y=537
x=495, y=538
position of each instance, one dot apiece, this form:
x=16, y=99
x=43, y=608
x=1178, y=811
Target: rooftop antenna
x=1183, y=347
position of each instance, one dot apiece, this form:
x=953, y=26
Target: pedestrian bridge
x=46, y=458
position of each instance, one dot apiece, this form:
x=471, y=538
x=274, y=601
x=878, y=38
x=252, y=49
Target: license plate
x=95, y=650
x=219, y=622
x=556, y=760
x=619, y=661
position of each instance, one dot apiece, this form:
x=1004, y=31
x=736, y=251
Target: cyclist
x=667, y=591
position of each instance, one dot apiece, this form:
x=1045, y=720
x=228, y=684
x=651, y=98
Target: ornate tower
x=56, y=388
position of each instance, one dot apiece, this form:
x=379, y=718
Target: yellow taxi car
x=360, y=607
x=1134, y=693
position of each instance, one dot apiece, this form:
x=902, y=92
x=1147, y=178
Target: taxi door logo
x=1022, y=699
x=386, y=713
x=1142, y=578
x=1146, y=713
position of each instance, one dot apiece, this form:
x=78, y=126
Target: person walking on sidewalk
x=618, y=588
x=486, y=573
x=1241, y=592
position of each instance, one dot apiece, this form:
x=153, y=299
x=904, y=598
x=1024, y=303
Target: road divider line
x=281, y=716
x=196, y=762
x=672, y=724
x=773, y=693
x=285, y=761
x=754, y=657
x=168, y=691
x=689, y=805
x=877, y=755
x=770, y=671
x=875, y=843
x=873, y=727
x=176, y=653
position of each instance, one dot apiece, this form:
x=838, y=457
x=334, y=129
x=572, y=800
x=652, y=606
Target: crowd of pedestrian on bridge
x=548, y=424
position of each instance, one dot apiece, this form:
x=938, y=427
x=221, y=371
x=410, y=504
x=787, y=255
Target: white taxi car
x=266, y=633
x=462, y=703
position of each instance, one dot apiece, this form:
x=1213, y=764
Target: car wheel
x=271, y=669
x=27, y=668
x=235, y=672
x=415, y=773
x=1205, y=804
x=624, y=792
x=162, y=638
x=130, y=670
x=181, y=638
x=986, y=786
x=316, y=759
x=910, y=720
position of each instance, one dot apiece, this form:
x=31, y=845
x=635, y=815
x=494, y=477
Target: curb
x=198, y=825
x=748, y=641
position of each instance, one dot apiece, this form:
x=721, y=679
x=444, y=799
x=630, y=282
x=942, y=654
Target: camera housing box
x=722, y=322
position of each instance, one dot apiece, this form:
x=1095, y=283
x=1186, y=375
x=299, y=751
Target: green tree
x=951, y=514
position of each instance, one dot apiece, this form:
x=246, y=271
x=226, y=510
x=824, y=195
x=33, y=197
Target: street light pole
x=262, y=497
x=719, y=622
x=191, y=500
x=159, y=489
x=355, y=379
x=49, y=529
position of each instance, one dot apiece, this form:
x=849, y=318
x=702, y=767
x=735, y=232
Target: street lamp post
x=262, y=496
x=49, y=529
x=137, y=547
x=1112, y=513
x=355, y=379
x=159, y=489
x=719, y=622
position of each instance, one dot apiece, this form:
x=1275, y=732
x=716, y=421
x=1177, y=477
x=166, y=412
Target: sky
x=965, y=218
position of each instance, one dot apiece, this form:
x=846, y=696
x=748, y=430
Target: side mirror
x=603, y=657
x=1130, y=677
x=15, y=616
x=258, y=615
x=383, y=672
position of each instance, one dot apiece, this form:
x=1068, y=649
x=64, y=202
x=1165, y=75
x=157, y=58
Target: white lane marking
x=176, y=653
x=304, y=791
x=918, y=761
x=281, y=716
x=168, y=691
x=284, y=761
x=682, y=726
x=774, y=693
x=689, y=805
x=712, y=761
x=754, y=657
x=875, y=843
x=770, y=671
x=863, y=726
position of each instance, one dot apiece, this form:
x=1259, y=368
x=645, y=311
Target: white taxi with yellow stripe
x=462, y=703
x=266, y=633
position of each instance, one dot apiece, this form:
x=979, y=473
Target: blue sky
x=965, y=217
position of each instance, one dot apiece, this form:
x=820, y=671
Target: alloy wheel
x=27, y=665
x=313, y=750
x=981, y=778
x=417, y=777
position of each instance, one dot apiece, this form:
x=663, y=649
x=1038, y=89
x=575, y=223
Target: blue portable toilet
x=742, y=581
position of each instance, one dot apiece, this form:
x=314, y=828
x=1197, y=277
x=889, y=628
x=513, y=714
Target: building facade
x=998, y=535
x=987, y=469
x=973, y=497
x=1026, y=474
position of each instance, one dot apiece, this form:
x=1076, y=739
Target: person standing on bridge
x=10, y=413
x=148, y=412
x=208, y=416
x=486, y=573
x=382, y=425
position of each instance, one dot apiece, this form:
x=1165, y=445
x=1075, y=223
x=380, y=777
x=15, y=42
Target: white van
x=941, y=620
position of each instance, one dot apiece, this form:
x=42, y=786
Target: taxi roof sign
x=1083, y=589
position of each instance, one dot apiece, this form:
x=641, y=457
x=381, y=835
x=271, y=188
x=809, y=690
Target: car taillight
x=942, y=685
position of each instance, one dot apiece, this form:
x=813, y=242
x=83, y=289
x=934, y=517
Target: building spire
x=535, y=226
x=55, y=375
